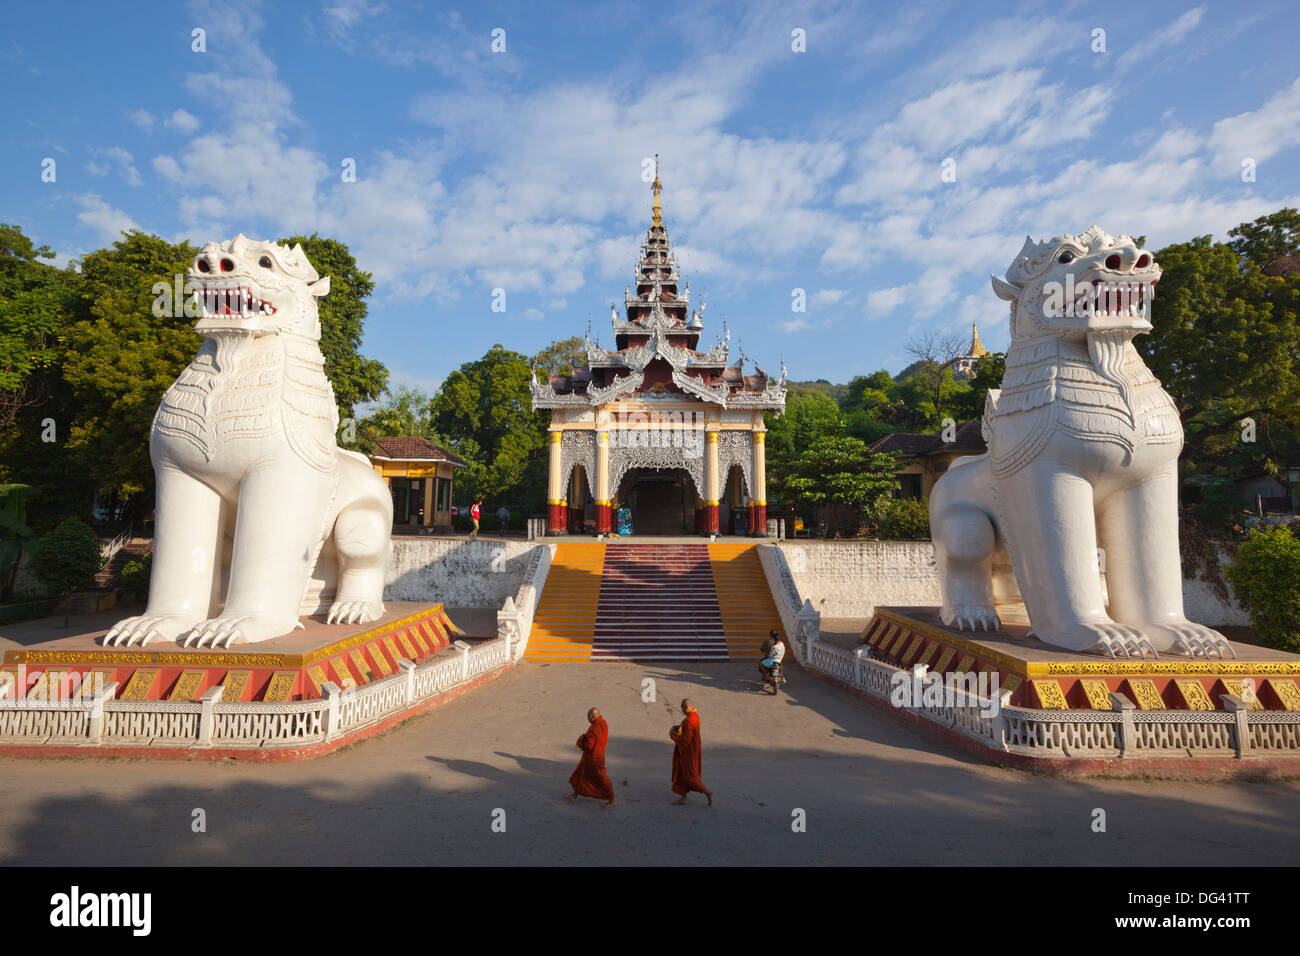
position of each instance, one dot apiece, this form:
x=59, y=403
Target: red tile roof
x=413, y=449
x=968, y=441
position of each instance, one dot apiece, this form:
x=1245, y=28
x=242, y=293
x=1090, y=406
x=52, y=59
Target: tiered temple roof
x=656, y=353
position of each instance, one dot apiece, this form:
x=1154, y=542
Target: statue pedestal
x=292, y=667
x=1044, y=677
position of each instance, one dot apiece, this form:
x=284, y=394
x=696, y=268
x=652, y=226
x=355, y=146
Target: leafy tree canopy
x=484, y=410
x=355, y=378
x=562, y=355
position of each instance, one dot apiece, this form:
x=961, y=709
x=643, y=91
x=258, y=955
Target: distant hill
x=836, y=392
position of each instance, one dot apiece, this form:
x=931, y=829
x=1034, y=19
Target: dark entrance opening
x=662, y=502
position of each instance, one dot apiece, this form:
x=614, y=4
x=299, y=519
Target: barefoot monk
x=688, y=755
x=589, y=778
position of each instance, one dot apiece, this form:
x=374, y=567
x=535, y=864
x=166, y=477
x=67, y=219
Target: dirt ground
x=869, y=790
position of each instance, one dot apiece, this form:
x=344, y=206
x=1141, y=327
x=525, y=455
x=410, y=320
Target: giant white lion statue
x=254, y=494
x=1081, y=465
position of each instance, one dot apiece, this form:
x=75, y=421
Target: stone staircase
x=653, y=602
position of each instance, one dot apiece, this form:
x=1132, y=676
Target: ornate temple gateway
x=673, y=433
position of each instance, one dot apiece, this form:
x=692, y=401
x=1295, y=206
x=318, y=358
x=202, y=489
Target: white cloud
x=1170, y=36
x=142, y=118
x=182, y=121
x=827, y=297
x=113, y=156
x=1257, y=134
x=107, y=222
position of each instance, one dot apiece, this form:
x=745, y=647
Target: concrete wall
x=456, y=571
x=849, y=578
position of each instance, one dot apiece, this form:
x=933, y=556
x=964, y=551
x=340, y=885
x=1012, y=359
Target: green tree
x=17, y=540
x=808, y=417
x=484, y=410
x=121, y=357
x=989, y=370
x=1225, y=343
x=840, y=471
x=562, y=355
x=356, y=379
x=67, y=559
x=404, y=412
x=1266, y=579
x=1262, y=241
x=35, y=301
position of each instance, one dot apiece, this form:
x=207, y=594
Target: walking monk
x=688, y=755
x=589, y=778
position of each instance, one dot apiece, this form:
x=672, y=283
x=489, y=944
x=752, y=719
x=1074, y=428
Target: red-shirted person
x=474, y=512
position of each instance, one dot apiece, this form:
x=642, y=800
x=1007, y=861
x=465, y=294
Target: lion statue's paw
x=1116, y=640
x=146, y=628
x=1192, y=639
x=227, y=632
x=969, y=615
x=355, y=612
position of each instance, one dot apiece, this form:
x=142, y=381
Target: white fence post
x=1127, y=733
x=408, y=668
x=463, y=649
x=1240, y=711
x=95, y=730
x=208, y=702
x=332, y=695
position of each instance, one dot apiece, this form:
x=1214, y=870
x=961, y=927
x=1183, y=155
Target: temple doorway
x=662, y=501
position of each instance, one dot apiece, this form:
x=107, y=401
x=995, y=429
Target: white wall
x=456, y=571
x=850, y=578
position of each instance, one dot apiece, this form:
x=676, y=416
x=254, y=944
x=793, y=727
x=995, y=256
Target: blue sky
x=817, y=170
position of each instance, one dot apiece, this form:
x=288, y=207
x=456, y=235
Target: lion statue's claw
x=355, y=612
x=144, y=629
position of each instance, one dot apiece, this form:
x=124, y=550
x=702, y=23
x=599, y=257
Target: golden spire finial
x=658, y=186
x=976, y=346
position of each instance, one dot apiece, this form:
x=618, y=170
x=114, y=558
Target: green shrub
x=67, y=558
x=905, y=519
x=1266, y=580
x=135, y=577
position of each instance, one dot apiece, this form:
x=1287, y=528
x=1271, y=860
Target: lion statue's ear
x=320, y=287
x=1004, y=290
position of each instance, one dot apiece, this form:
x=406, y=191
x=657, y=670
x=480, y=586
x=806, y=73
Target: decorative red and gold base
x=604, y=517
x=1046, y=677
x=709, y=517
x=287, y=668
x=557, y=514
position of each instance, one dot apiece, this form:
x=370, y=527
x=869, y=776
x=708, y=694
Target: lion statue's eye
x=264, y=262
x=1065, y=258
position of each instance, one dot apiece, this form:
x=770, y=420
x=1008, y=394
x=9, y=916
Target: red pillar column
x=758, y=519
x=604, y=517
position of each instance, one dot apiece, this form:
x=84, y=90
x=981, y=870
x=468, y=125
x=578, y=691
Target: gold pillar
x=556, y=503
x=710, y=482
x=604, y=506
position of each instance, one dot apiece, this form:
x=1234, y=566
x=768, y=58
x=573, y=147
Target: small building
x=420, y=475
x=925, y=457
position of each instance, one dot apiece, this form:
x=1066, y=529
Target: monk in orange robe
x=589, y=779
x=688, y=755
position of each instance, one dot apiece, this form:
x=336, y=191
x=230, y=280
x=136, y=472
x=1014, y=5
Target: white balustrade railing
x=1038, y=733
x=515, y=619
x=103, y=721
